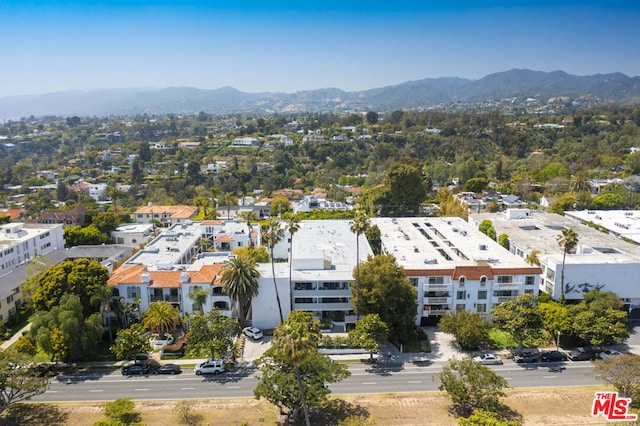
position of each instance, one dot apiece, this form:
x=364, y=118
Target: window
x=505, y=279
x=530, y=280
x=482, y=295
x=414, y=282
x=529, y=291
x=460, y=307
x=461, y=295
x=133, y=292
x=462, y=281
x=481, y=308
x=436, y=280
x=483, y=280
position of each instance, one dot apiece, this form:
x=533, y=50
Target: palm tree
x=240, y=283
x=580, y=184
x=249, y=217
x=568, y=240
x=114, y=193
x=199, y=297
x=228, y=200
x=295, y=341
x=533, y=257
x=292, y=224
x=160, y=317
x=359, y=225
x=272, y=233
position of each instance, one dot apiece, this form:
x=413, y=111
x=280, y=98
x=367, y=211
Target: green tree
x=63, y=333
x=194, y=175
x=404, y=190
x=359, y=226
x=520, y=317
x=568, y=240
x=369, y=333
x=82, y=277
x=470, y=329
x=18, y=384
x=160, y=317
x=199, y=297
x=294, y=342
x=373, y=237
x=211, y=334
x=623, y=373
x=607, y=201
x=106, y=222
x=240, y=283
x=252, y=254
x=503, y=240
x=272, y=233
x=279, y=206
x=486, y=418
x=131, y=342
x=120, y=412
x=472, y=386
x=556, y=318
x=229, y=200
x=599, y=319
x=87, y=236
x=475, y=185
x=293, y=374
x=371, y=117
x=533, y=257
x=563, y=203
x=62, y=192
x=385, y=290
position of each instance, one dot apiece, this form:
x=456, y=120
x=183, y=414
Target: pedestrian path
x=6, y=344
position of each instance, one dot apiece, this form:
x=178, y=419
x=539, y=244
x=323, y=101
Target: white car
x=488, y=359
x=210, y=366
x=253, y=332
x=160, y=342
x=608, y=353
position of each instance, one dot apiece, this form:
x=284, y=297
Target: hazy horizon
x=55, y=46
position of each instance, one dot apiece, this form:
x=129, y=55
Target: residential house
x=168, y=215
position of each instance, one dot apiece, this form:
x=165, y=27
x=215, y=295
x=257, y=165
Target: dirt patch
x=558, y=406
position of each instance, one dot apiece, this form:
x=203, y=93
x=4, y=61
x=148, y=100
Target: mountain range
x=420, y=94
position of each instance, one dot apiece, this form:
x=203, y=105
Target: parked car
x=488, y=359
x=608, y=353
x=553, y=356
x=525, y=357
x=252, y=332
x=210, y=366
x=135, y=370
x=582, y=354
x=168, y=369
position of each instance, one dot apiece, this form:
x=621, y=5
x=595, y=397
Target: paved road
x=110, y=385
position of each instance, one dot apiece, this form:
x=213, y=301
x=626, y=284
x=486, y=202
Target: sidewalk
x=5, y=345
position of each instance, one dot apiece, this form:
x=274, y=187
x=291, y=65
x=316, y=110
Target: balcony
x=166, y=298
x=503, y=299
x=322, y=306
x=435, y=312
x=322, y=293
x=506, y=286
x=437, y=287
x=436, y=301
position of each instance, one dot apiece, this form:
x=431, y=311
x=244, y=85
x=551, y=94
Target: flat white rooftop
x=623, y=223
x=168, y=248
x=540, y=231
x=441, y=242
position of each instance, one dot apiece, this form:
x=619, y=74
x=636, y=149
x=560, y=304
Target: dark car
x=525, y=357
x=168, y=369
x=582, y=354
x=551, y=356
x=135, y=370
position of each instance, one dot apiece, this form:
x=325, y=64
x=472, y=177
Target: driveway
x=253, y=349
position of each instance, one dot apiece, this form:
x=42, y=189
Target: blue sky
x=255, y=46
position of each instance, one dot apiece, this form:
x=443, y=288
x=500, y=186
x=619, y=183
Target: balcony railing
x=506, y=286
x=437, y=300
x=437, y=287
x=435, y=312
x=503, y=299
x=166, y=298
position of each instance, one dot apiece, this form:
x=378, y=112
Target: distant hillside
x=430, y=92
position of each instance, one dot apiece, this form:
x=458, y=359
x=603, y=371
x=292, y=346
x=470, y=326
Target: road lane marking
x=51, y=392
x=233, y=387
x=414, y=381
x=368, y=383
x=187, y=388
x=141, y=390
x=96, y=390
x=549, y=377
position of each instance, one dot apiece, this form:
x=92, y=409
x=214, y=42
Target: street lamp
x=558, y=341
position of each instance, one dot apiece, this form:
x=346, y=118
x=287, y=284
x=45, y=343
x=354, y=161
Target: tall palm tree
x=160, y=317
x=295, y=341
x=240, y=283
x=228, y=200
x=272, y=233
x=533, y=257
x=359, y=225
x=199, y=297
x=292, y=224
x=568, y=240
x=114, y=193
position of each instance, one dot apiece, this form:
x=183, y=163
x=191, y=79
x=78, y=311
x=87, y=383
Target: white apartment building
x=322, y=264
x=453, y=266
x=133, y=234
x=98, y=191
x=310, y=202
x=19, y=244
x=600, y=261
